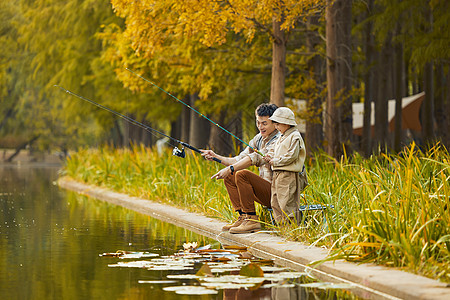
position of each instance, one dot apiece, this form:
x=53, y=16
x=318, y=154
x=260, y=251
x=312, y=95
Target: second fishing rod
x=176, y=151
x=193, y=109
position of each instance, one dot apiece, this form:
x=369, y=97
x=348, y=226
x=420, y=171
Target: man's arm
x=240, y=165
x=209, y=155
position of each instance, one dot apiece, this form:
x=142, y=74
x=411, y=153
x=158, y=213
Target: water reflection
x=50, y=241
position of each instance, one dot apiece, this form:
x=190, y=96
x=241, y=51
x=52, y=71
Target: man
x=243, y=186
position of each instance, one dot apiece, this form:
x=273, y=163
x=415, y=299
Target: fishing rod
x=176, y=151
x=190, y=107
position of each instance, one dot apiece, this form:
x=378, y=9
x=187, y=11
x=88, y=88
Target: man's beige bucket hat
x=284, y=115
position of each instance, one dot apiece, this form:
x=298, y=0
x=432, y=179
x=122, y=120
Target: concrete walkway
x=370, y=281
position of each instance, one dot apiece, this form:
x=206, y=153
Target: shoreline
x=371, y=281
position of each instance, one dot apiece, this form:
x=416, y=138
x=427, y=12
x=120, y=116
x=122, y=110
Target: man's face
x=265, y=126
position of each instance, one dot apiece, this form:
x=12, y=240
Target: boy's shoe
x=238, y=222
x=250, y=224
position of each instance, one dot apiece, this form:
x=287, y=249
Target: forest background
x=223, y=58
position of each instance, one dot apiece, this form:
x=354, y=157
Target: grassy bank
x=390, y=210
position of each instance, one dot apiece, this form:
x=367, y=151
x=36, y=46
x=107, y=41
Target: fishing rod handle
x=216, y=159
x=197, y=150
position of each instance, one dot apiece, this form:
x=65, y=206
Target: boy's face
x=282, y=127
x=265, y=126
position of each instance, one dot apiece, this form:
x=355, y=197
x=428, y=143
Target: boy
x=286, y=159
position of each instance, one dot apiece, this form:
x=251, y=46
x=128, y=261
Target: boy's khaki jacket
x=289, y=152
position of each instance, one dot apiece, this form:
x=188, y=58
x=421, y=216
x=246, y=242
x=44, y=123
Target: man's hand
x=208, y=154
x=222, y=173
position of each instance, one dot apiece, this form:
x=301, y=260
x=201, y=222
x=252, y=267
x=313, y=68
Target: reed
x=388, y=209
x=141, y=172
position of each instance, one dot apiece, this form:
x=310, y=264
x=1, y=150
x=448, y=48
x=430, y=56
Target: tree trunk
x=428, y=106
x=369, y=86
x=415, y=82
x=125, y=126
x=235, y=127
x=339, y=125
x=134, y=132
x=21, y=147
x=406, y=76
x=175, y=129
x=332, y=111
x=278, y=64
x=381, y=102
x=314, y=129
x=146, y=138
x=8, y=114
x=345, y=74
x=185, y=121
x=399, y=81
x=441, y=117
x=200, y=127
x=116, y=135
x=219, y=140
x=447, y=142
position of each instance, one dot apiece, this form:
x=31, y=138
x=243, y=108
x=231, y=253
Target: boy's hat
x=284, y=115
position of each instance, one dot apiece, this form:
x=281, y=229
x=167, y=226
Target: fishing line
x=190, y=107
x=176, y=151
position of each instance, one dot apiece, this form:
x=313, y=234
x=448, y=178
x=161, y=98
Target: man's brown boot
x=236, y=223
x=251, y=224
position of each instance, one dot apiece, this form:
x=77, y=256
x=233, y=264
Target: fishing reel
x=178, y=152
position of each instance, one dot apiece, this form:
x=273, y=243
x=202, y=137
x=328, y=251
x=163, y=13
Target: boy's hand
x=268, y=159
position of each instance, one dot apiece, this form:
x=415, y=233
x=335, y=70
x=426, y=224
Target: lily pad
x=157, y=281
x=138, y=255
x=170, y=268
x=253, y=280
x=132, y=264
x=190, y=290
x=283, y=276
x=197, y=292
x=277, y=285
x=252, y=270
x=227, y=285
x=183, y=276
x=223, y=270
x=180, y=287
x=128, y=254
x=225, y=278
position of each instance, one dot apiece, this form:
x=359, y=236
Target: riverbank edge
x=371, y=281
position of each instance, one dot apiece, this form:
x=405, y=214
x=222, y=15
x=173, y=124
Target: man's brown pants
x=244, y=188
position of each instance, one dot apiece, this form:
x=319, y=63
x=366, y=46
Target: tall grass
x=388, y=209
x=143, y=173
x=392, y=210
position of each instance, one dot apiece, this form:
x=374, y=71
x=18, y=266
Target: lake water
x=50, y=241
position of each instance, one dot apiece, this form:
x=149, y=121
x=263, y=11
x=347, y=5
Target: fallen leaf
x=234, y=247
x=205, y=270
x=246, y=255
